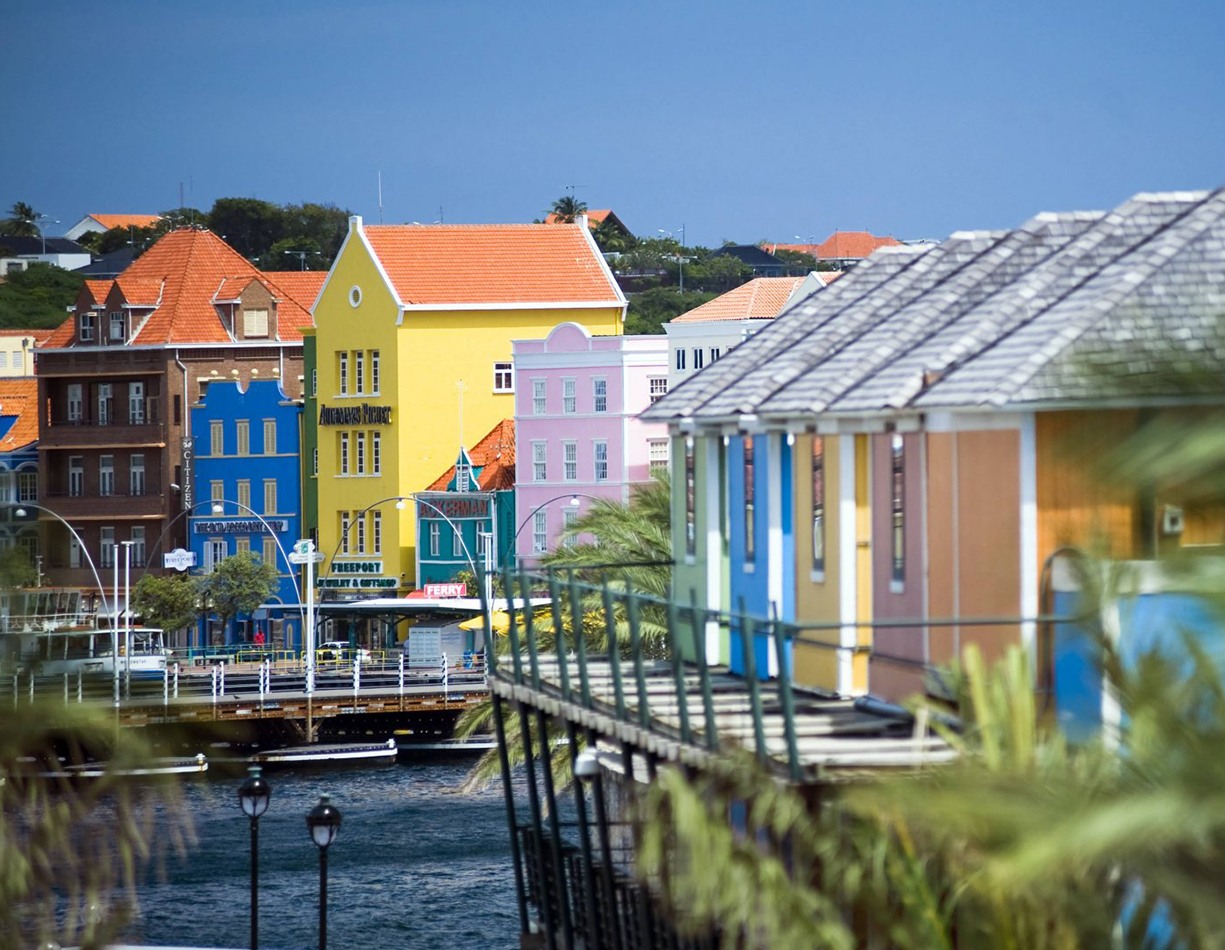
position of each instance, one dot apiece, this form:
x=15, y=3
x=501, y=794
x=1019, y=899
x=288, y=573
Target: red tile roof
x=109, y=221
x=760, y=299
x=98, y=290
x=39, y=335
x=19, y=397
x=494, y=455
x=595, y=216
x=840, y=244
x=185, y=270
x=492, y=263
x=302, y=286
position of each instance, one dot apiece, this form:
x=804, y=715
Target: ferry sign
x=445, y=591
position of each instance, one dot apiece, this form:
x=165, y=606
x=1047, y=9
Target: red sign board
x=445, y=591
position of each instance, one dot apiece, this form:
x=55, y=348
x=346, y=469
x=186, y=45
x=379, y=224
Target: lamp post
x=323, y=822
x=127, y=614
x=254, y=795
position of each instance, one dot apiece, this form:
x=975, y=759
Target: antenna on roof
x=441, y=219
x=380, y=197
x=573, y=189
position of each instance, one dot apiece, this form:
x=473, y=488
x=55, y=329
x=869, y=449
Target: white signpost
x=304, y=553
x=179, y=559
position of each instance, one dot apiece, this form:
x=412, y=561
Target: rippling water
x=414, y=865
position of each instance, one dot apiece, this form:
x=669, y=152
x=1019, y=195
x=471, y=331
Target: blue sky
x=740, y=120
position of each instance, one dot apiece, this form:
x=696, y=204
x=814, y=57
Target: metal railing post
x=31, y=686
x=788, y=701
x=750, y=674
x=678, y=668
x=165, y=685
x=176, y=681
x=699, y=646
x=580, y=640
x=401, y=673
x=16, y=687
x=357, y=674
x=512, y=630
x=529, y=628
x=221, y=680
x=80, y=686
x=559, y=633
x=614, y=651
x=65, y=687
x=213, y=683
x=631, y=610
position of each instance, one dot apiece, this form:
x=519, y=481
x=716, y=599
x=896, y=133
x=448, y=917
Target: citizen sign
x=361, y=415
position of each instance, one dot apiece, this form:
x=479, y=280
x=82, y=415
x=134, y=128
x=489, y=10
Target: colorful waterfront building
x=469, y=510
x=577, y=401
x=247, y=464
x=413, y=332
x=930, y=429
x=19, y=481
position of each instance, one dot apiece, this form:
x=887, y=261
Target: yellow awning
x=501, y=622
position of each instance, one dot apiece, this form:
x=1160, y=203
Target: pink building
x=577, y=400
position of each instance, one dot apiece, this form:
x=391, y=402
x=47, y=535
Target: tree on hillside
x=611, y=238
x=21, y=222
x=800, y=262
x=238, y=585
x=168, y=603
x=567, y=208
x=651, y=309
x=37, y=296
x=248, y=225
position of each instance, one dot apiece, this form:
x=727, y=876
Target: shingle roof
x=181, y=276
x=494, y=455
x=19, y=397
x=1066, y=308
x=109, y=221
x=23, y=246
x=759, y=299
x=492, y=263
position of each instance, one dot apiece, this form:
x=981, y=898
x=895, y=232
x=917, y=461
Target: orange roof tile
x=853, y=244
x=19, y=397
x=494, y=455
x=302, y=286
x=827, y=277
x=492, y=263
x=595, y=216
x=774, y=248
x=98, y=290
x=109, y=221
x=39, y=335
x=184, y=270
x=759, y=299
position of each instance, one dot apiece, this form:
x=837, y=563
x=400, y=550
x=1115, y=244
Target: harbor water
x=415, y=865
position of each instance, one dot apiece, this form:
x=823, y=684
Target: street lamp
x=323, y=822
x=253, y=796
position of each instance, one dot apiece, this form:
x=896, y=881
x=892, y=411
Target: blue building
x=247, y=461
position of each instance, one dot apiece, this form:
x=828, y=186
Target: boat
x=185, y=765
x=90, y=652
x=328, y=754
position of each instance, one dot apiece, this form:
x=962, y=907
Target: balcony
x=116, y=506
x=139, y=424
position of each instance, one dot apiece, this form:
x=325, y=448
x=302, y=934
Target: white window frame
x=344, y=453
x=540, y=461
x=375, y=382
x=435, y=532
x=680, y=358
x=658, y=452
x=376, y=453
x=116, y=323
x=569, y=395
x=27, y=487
x=106, y=475
x=359, y=452
x=376, y=532
x=136, y=474
x=599, y=394
x=540, y=397
x=342, y=372
x=698, y=360
x=87, y=328
x=657, y=387
x=568, y=517
x=106, y=404
x=540, y=532
x=137, y=537
x=270, y=437
x=344, y=532
x=106, y=546
x=76, y=476
x=359, y=371
x=569, y=461
x=76, y=405
x=136, y=403
x=503, y=376
x=597, y=447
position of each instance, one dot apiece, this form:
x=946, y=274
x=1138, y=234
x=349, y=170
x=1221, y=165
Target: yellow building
x=414, y=327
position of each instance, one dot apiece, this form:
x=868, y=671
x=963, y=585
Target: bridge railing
x=224, y=682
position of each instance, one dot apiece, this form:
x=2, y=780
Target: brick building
x=117, y=379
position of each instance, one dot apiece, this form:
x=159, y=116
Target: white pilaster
x=848, y=606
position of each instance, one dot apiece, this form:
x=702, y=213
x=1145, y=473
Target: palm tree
x=21, y=222
x=567, y=208
x=636, y=537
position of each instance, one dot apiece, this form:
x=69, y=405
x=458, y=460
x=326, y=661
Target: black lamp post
x=253, y=796
x=323, y=821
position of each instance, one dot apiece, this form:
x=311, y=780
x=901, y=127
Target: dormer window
x=87, y=328
x=463, y=473
x=116, y=334
x=255, y=323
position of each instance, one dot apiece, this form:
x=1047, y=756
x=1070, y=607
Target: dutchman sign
x=451, y=506
x=363, y=414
